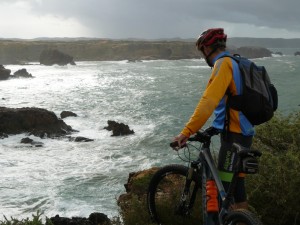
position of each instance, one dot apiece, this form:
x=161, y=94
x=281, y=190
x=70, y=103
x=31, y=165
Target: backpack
x=259, y=98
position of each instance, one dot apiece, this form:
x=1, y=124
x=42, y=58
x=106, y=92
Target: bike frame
x=206, y=163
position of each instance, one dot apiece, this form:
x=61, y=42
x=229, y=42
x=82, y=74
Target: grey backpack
x=259, y=98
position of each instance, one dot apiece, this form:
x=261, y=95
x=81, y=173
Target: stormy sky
x=148, y=19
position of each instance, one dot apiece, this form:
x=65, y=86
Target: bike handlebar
x=202, y=137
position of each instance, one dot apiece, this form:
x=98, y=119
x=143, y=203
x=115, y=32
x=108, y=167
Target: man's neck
x=217, y=52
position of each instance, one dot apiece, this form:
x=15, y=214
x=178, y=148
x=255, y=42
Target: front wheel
x=170, y=197
x=241, y=216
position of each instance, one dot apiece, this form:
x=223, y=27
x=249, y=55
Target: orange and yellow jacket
x=225, y=76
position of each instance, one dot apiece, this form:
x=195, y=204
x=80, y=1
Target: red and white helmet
x=212, y=36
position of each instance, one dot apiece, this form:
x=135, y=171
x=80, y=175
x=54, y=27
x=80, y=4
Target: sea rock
x=50, y=57
x=80, y=139
x=253, y=52
x=94, y=219
x=22, y=73
x=65, y=114
x=4, y=73
x=32, y=142
x=297, y=53
x=118, y=129
x=26, y=140
x=3, y=135
x=36, y=121
x=278, y=53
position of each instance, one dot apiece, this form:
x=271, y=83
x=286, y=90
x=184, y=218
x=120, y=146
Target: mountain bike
x=174, y=189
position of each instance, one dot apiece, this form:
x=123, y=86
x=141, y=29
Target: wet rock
x=99, y=218
x=32, y=142
x=22, y=73
x=94, y=219
x=65, y=114
x=3, y=135
x=26, y=140
x=278, y=53
x=80, y=139
x=50, y=57
x=297, y=53
x=118, y=129
x=4, y=73
x=36, y=121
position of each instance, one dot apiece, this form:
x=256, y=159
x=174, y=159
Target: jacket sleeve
x=216, y=88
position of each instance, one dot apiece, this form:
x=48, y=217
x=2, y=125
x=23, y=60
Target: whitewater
x=155, y=98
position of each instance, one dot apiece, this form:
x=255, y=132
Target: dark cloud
x=172, y=18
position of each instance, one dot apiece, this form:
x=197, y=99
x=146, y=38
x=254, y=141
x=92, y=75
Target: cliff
x=24, y=51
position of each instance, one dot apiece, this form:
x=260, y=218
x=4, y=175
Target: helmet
x=212, y=36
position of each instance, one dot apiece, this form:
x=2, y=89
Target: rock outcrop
x=80, y=139
x=32, y=142
x=252, y=52
x=4, y=73
x=51, y=57
x=22, y=73
x=35, y=121
x=136, y=186
x=93, y=219
x=118, y=129
x=65, y=114
x=297, y=53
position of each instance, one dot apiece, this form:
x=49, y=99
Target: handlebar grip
x=175, y=145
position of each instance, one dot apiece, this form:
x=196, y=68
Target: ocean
x=155, y=98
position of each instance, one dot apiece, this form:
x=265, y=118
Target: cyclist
x=233, y=125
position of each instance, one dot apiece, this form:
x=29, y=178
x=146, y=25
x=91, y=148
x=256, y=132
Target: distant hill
x=265, y=42
x=234, y=41
x=19, y=51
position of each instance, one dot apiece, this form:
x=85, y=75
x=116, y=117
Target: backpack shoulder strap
x=227, y=108
x=235, y=57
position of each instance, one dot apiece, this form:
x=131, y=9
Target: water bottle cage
x=249, y=165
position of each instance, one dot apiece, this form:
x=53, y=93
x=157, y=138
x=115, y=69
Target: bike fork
x=185, y=205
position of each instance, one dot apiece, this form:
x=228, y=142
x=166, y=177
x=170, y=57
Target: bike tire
x=241, y=216
x=164, y=195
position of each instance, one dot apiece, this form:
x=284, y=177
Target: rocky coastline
x=67, y=52
x=6, y=73
x=42, y=123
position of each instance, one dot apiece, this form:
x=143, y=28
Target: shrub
x=36, y=220
x=274, y=191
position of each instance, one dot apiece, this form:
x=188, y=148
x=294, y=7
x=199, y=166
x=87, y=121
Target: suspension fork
x=194, y=168
x=185, y=206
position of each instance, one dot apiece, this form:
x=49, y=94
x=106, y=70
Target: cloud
x=170, y=18
x=19, y=22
